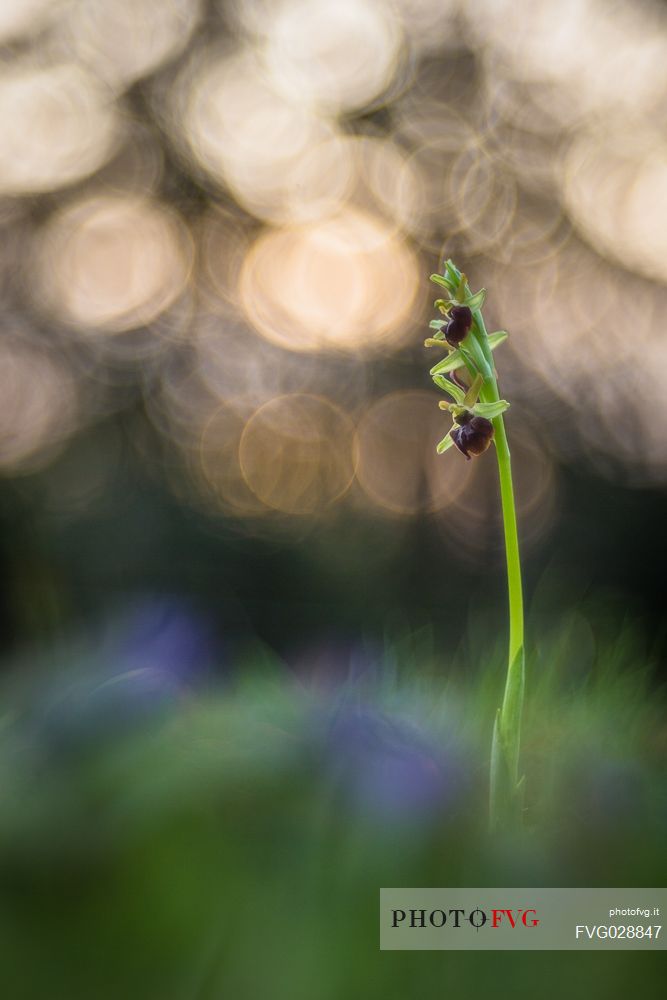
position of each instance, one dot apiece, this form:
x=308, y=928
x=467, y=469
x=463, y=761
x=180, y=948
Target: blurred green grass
x=230, y=840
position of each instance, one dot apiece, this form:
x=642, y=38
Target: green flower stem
x=505, y=792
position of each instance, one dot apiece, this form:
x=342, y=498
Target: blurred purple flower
x=386, y=769
x=166, y=636
x=147, y=658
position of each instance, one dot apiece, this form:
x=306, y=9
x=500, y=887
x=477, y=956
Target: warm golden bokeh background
x=233, y=209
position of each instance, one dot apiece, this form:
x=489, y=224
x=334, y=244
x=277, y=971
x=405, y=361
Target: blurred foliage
x=162, y=838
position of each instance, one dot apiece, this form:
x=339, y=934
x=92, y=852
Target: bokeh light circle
x=113, y=263
x=296, y=453
x=347, y=283
x=39, y=407
x=473, y=522
x=19, y=17
x=397, y=463
x=336, y=56
x=616, y=195
x=218, y=456
x=127, y=39
x=280, y=160
x=58, y=125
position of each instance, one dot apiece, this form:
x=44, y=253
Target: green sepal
x=499, y=337
x=445, y=444
x=451, y=363
x=455, y=391
x=455, y=360
x=491, y=410
x=476, y=301
x=439, y=280
x=474, y=389
x=437, y=324
x=453, y=272
x=461, y=293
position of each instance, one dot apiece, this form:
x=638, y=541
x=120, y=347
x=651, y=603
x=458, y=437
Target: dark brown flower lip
x=458, y=327
x=472, y=436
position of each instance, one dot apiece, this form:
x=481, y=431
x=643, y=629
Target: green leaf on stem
x=500, y=786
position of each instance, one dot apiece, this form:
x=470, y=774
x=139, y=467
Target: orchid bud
x=458, y=327
x=472, y=435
